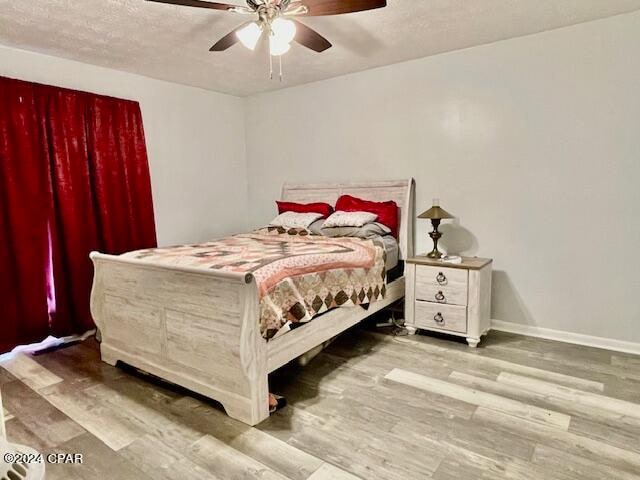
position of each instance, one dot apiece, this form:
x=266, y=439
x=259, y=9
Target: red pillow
x=387, y=211
x=324, y=208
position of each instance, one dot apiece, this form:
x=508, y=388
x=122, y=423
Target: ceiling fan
x=274, y=19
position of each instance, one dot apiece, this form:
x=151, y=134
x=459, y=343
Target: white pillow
x=295, y=220
x=349, y=219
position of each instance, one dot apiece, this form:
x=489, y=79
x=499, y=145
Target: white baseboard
x=568, y=337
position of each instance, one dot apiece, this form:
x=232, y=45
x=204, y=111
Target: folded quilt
x=298, y=277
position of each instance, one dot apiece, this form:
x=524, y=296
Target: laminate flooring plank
x=570, y=362
x=486, y=469
x=417, y=404
x=614, y=384
x=345, y=405
x=101, y=421
x=99, y=462
x=537, y=361
x=575, y=467
x=49, y=424
x=576, y=410
x=479, y=398
x=330, y=373
x=145, y=389
x=266, y=449
x=278, y=455
x=560, y=350
x=519, y=365
x=618, y=433
x=624, y=389
x=18, y=432
x=380, y=457
x=355, y=399
x=161, y=461
x=393, y=351
x=382, y=360
x=6, y=376
x=142, y=417
x=626, y=360
x=465, y=435
x=387, y=406
x=380, y=406
x=363, y=450
x=78, y=373
x=566, y=441
x=603, y=402
x=481, y=461
x=30, y=372
x=227, y=463
x=378, y=392
x=372, y=433
x=331, y=472
x=289, y=422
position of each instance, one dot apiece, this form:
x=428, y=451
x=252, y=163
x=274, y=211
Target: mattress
x=298, y=277
x=392, y=250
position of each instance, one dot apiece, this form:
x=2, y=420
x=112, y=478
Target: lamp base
x=435, y=254
x=435, y=236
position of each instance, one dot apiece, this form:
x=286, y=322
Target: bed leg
x=252, y=410
x=107, y=356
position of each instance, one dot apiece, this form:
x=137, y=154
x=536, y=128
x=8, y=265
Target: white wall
x=195, y=140
x=533, y=143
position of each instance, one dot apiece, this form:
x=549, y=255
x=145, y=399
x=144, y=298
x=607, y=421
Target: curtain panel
x=74, y=177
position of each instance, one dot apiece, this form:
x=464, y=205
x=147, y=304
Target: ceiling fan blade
x=199, y=4
x=229, y=40
x=310, y=38
x=295, y=8
x=336, y=7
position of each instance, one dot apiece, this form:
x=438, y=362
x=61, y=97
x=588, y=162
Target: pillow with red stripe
x=324, y=208
x=387, y=211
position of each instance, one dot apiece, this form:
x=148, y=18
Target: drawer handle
x=441, y=278
x=438, y=318
x=440, y=296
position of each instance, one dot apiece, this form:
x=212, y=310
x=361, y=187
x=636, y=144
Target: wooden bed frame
x=200, y=329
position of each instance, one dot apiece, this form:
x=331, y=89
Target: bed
x=200, y=328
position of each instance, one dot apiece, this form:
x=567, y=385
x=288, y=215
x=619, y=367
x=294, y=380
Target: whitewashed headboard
x=400, y=191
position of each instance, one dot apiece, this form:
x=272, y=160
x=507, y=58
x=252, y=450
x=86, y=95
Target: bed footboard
x=195, y=328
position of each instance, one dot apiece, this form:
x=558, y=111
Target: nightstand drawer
x=443, y=317
x=442, y=285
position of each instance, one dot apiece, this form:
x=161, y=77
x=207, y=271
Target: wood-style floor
x=371, y=406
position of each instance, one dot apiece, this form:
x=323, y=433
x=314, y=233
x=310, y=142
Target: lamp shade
x=436, y=213
x=250, y=35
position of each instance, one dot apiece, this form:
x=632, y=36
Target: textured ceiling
x=172, y=43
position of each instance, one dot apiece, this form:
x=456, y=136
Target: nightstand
x=453, y=298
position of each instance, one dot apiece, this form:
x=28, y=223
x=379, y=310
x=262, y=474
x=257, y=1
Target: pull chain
x=280, y=74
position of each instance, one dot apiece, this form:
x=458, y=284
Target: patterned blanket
x=298, y=277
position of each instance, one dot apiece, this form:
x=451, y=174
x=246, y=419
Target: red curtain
x=25, y=208
x=74, y=178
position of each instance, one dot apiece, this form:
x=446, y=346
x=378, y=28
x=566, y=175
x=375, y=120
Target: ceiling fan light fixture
x=284, y=30
x=272, y=21
x=277, y=47
x=250, y=35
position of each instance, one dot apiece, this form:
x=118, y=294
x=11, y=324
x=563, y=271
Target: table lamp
x=435, y=214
